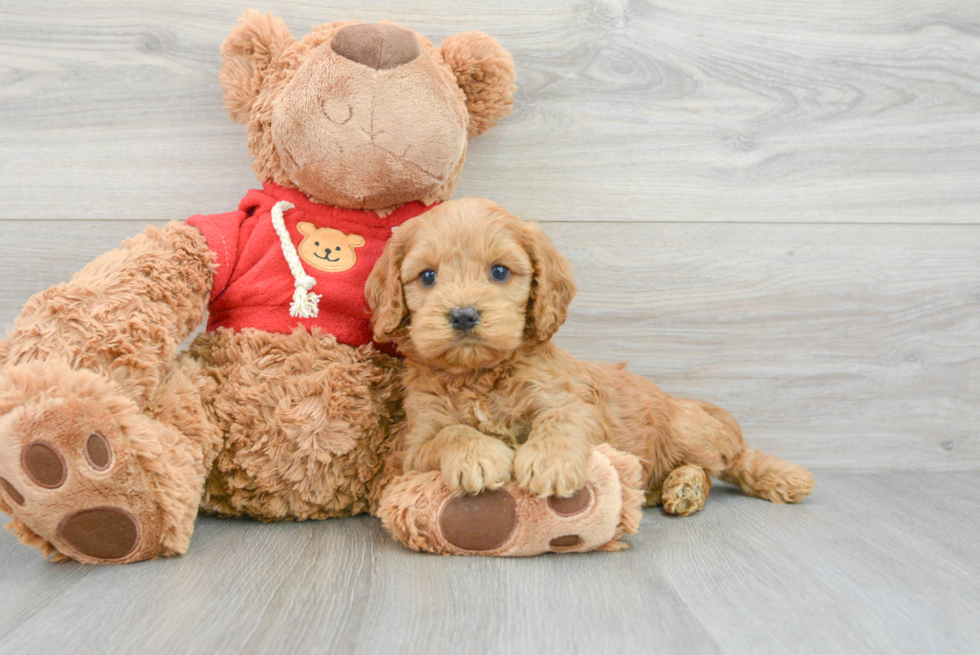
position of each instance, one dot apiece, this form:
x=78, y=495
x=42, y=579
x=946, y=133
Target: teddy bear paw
x=425, y=515
x=68, y=475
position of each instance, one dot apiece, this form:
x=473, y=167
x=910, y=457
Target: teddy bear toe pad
x=479, y=522
x=104, y=533
x=82, y=491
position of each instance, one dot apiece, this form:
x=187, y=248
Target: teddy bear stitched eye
x=316, y=243
x=338, y=248
x=500, y=273
x=428, y=277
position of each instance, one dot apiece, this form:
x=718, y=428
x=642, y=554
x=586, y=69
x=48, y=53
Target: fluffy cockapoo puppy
x=472, y=296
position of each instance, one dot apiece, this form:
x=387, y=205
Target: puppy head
x=466, y=284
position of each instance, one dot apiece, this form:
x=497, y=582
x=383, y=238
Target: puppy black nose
x=464, y=319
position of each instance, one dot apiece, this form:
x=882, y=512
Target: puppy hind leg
x=702, y=435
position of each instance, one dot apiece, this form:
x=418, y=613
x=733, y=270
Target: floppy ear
x=250, y=52
x=383, y=289
x=306, y=228
x=485, y=72
x=553, y=287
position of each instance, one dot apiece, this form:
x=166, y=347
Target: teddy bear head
x=362, y=115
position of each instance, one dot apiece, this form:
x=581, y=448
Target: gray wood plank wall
x=770, y=205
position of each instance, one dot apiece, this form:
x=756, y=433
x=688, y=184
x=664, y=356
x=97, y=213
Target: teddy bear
x=111, y=441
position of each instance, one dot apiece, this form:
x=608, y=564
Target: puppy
x=472, y=295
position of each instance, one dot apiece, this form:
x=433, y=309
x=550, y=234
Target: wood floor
x=771, y=205
x=874, y=562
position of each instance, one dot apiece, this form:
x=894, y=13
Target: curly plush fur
x=306, y=423
x=471, y=391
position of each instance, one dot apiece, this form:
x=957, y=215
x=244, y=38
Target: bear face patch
x=328, y=249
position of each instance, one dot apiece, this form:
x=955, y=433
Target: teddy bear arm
x=125, y=314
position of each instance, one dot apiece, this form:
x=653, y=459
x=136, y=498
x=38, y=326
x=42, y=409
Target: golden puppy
x=472, y=295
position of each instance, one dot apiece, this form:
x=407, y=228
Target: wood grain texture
x=881, y=562
x=661, y=110
x=830, y=348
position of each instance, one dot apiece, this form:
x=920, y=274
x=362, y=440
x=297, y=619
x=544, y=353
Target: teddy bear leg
x=89, y=476
x=420, y=511
x=684, y=490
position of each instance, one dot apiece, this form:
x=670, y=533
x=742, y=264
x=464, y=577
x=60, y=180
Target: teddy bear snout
x=376, y=45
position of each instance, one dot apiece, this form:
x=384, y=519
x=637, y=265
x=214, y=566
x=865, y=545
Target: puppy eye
x=500, y=273
x=428, y=277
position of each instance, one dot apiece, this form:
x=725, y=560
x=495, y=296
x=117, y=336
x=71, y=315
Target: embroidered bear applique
x=328, y=249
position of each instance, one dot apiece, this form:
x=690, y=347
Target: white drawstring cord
x=305, y=304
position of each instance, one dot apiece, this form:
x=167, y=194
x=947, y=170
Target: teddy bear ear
x=250, y=52
x=485, y=72
x=306, y=228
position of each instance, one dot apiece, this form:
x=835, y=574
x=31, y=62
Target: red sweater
x=253, y=285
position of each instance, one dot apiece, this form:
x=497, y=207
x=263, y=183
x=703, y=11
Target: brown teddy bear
x=110, y=441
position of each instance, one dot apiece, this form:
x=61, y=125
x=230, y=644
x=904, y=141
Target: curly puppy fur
x=469, y=391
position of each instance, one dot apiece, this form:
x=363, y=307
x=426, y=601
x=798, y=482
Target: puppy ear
x=250, y=52
x=553, y=286
x=485, y=72
x=383, y=289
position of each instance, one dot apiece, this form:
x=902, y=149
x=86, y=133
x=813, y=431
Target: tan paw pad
x=44, y=465
x=479, y=522
x=98, y=453
x=560, y=544
x=105, y=533
x=577, y=503
x=12, y=492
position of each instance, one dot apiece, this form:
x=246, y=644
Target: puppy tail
x=769, y=477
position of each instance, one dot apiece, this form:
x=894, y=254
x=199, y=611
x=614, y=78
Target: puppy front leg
x=553, y=461
x=469, y=460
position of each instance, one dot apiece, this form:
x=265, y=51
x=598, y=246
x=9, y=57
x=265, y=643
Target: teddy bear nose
x=464, y=319
x=376, y=45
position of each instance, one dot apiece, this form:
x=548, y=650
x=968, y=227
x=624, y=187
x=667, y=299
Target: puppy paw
x=547, y=469
x=476, y=463
x=685, y=490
